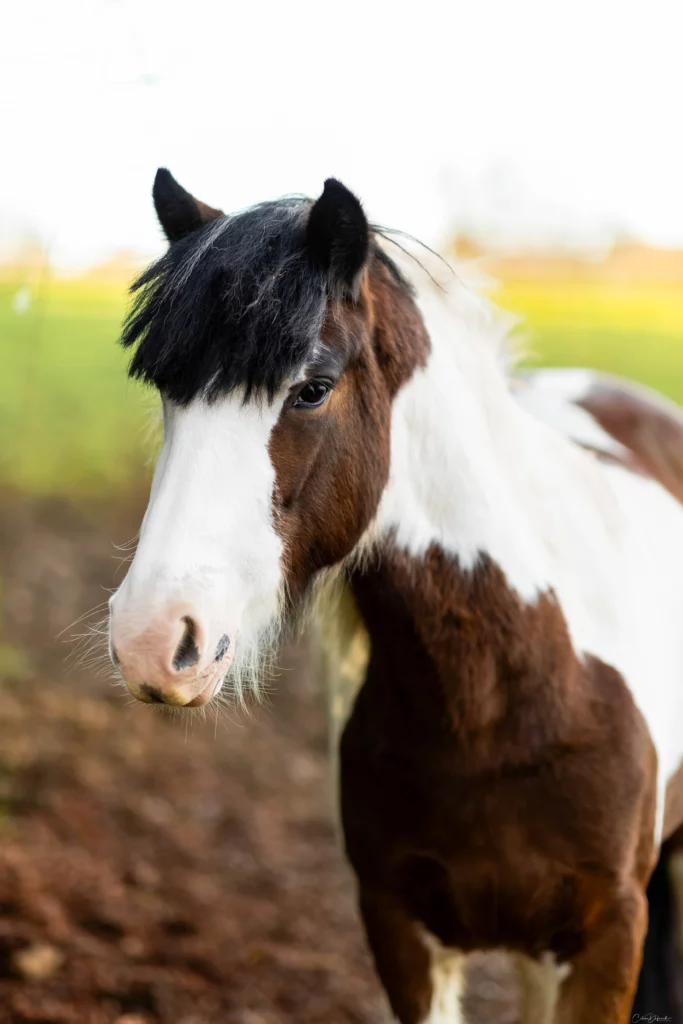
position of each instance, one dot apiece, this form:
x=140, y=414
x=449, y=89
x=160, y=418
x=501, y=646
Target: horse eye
x=312, y=394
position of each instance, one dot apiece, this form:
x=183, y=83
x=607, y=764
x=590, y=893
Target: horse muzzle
x=176, y=657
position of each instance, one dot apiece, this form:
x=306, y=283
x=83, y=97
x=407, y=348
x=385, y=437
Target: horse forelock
x=233, y=305
x=236, y=305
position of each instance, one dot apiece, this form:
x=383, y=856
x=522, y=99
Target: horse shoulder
x=636, y=429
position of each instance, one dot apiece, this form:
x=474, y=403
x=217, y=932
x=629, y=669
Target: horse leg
x=603, y=978
x=659, y=986
x=539, y=988
x=672, y=851
x=422, y=979
x=676, y=872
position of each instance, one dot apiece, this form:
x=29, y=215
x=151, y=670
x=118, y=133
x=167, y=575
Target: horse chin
x=211, y=690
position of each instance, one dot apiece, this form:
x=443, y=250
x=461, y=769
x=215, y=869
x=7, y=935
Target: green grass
x=636, y=332
x=71, y=422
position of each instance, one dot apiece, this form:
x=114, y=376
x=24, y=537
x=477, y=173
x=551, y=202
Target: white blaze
x=208, y=534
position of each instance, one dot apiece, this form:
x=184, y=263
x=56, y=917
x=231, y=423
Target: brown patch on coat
x=332, y=463
x=650, y=431
x=496, y=790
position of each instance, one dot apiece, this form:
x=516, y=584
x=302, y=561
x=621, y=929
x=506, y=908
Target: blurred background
x=151, y=871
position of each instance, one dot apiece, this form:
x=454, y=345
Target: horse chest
x=487, y=845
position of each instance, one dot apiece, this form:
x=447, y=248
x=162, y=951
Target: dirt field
x=149, y=872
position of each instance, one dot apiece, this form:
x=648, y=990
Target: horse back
x=617, y=419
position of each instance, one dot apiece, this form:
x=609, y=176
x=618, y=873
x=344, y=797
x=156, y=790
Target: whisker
x=128, y=545
x=91, y=611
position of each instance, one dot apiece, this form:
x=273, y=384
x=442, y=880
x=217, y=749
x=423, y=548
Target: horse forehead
x=226, y=426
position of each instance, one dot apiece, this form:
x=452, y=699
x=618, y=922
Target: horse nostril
x=187, y=653
x=114, y=656
x=222, y=648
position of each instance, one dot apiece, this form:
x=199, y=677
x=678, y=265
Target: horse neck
x=467, y=463
x=457, y=601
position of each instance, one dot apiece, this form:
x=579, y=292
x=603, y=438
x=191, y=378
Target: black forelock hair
x=236, y=304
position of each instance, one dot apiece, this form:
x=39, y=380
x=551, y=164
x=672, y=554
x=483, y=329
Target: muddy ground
x=149, y=871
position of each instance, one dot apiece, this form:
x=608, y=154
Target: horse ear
x=338, y=234
x=179, y=212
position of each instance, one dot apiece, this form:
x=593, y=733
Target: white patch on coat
x=539, y=983
x=447, y=974
x=208, y=534
x=476, y=473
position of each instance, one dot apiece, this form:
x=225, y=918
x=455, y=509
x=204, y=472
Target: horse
x=492, y=566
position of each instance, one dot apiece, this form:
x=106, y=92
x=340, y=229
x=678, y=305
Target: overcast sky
x=529, y=119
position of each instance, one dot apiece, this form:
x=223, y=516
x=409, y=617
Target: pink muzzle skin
x=172, y=660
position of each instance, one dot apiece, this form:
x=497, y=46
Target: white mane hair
x=463, y=290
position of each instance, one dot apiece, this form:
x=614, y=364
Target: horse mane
x=461, y=293
x=236, y=304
